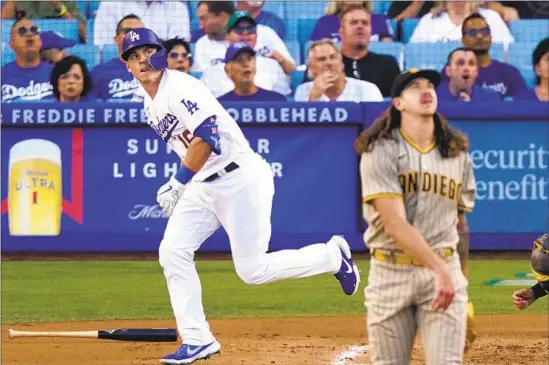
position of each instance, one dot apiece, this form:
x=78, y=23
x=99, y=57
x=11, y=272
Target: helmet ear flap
x=159, y=60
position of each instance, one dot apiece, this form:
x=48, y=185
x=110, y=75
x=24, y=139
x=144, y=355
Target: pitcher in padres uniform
x=221, y=182
x=416, y=177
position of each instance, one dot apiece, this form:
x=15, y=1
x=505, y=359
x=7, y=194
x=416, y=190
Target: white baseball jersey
x=181, y=104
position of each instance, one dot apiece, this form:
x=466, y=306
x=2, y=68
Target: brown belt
x=405, y=259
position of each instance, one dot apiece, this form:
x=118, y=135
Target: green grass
x=99, y=290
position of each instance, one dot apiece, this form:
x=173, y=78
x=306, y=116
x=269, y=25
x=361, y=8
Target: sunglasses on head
x=241, y=29
x=175, y=55
x=473, y=31
x=34, y=30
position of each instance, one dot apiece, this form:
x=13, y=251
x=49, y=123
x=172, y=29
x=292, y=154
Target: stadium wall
x=92, y=187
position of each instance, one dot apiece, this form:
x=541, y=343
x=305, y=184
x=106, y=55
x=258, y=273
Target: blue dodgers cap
x=235, y=48
x=51, y=39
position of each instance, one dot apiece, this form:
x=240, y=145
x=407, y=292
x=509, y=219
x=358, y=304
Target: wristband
x=184, y=175
x=538, y=291
x=63, y=10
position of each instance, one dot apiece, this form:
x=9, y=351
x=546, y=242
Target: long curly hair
x=449, y=141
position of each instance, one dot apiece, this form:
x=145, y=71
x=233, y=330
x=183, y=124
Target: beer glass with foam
x=35, y=190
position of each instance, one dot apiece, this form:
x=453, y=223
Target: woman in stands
x=71, y=80
x=540, y=61
x=445, y=25
x=328, y=25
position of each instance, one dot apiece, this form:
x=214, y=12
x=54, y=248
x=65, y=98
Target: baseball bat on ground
x=119, y=334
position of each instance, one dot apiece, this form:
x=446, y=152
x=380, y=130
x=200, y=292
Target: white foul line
x=349, y=354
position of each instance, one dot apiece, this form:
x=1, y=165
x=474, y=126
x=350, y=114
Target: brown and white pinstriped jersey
x=433, y=189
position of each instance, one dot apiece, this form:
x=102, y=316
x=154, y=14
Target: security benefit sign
x=42, y=181
x=511, y=162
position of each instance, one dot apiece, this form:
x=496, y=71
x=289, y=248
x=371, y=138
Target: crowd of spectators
x=238, y=50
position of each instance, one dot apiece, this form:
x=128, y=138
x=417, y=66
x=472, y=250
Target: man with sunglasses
x=273, y=60
x=179, y=54
x=111, y=79
x=500, y=77
x=238, y=26
x=27, y=78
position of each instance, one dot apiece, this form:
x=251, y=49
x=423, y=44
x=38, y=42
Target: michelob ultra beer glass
x=35, y=190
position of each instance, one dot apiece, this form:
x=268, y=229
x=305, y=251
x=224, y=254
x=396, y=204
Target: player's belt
x=404, y=259
x=230, y=167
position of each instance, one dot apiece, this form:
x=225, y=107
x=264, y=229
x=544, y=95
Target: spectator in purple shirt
x=501, y=77
x=261, y=16
x=462, y=71
x=27, y=78
x=71, y=80
x=540, y=60
x=111, y=79
x=328, y=25
x=240, y=67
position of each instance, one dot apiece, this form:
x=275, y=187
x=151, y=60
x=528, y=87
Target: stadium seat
x=428, y=55
x=92, y=8
x=520, y=56
x=408, y=26
x=380, y=7
x=296, y=79
x=83, y=7
x=196, y=74
x=88, y=52
x=497, y=52
x=529, y=30
x=67, y=27
x=6, y=29
x=394, y=49
x=305, y=29
x=296, y=10
x=109, y=52
x=90, y=29
x=276, y=7
x=7, y=54
x=295, y=50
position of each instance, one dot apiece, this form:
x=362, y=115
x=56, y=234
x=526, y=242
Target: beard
x=481, y=52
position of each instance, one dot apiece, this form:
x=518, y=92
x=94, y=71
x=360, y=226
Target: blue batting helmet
x=139, y=37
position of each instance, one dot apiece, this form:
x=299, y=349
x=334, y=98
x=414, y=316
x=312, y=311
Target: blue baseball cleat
x=348, y=275
x=187, y=354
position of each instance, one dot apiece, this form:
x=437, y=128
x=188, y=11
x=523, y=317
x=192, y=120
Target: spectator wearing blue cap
x=27, y=78
x=53, y=46
x=540, y=61
x=240, y=66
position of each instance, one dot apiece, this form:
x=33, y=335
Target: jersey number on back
x=191, y=107
x=185, y=138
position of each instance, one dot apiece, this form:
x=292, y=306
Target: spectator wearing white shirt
x=168, y=19
x=329, y=80
x=210, y=49
x=270, y=73
x=446, y=26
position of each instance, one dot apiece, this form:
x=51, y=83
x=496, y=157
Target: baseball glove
x=471, y=334
x=540, y=258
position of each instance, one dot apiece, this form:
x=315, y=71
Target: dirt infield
x=504, y=340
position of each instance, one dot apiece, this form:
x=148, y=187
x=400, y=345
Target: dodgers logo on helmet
x=139, y=37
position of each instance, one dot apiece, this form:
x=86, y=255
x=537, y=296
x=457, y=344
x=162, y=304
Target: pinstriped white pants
x=398, y=300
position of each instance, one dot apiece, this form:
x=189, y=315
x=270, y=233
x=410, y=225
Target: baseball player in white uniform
x=416, y=177
x=221, y=182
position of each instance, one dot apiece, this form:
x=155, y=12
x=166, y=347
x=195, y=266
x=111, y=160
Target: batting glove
x=168, y=195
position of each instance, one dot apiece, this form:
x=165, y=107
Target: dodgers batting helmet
x=139, y=37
